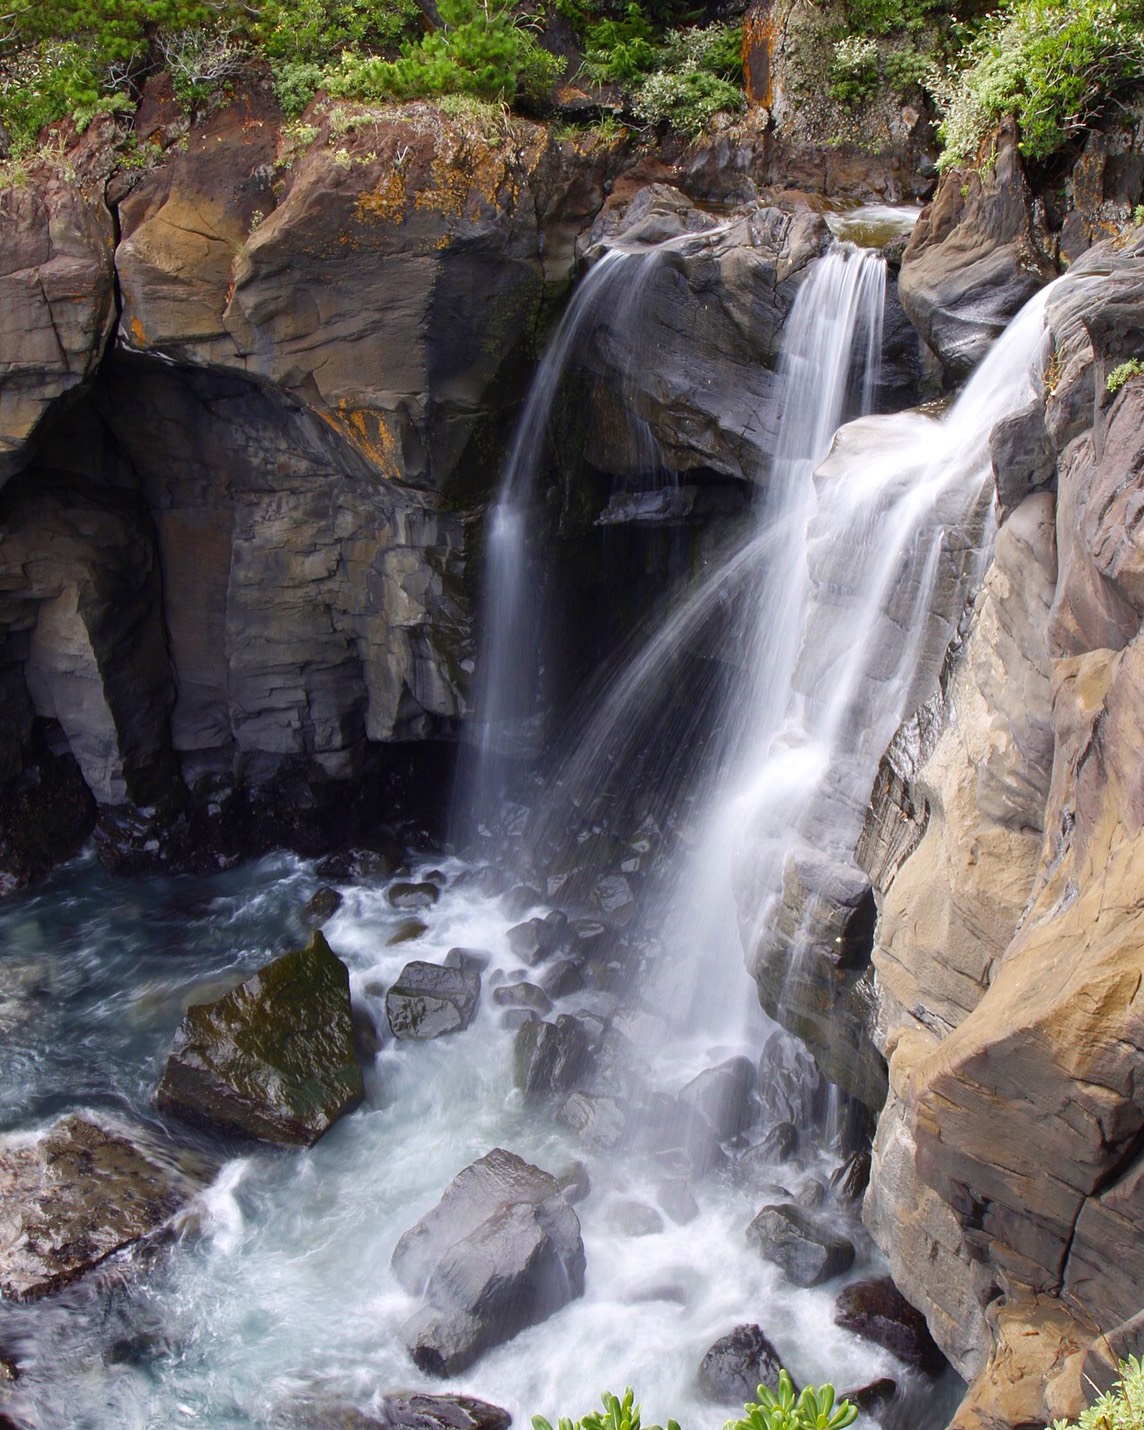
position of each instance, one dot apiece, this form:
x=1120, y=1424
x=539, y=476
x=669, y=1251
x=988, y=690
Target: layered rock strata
x=1005, y=1180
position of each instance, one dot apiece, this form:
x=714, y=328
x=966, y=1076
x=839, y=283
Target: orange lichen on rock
x=758, y=50
x=387, y=202
x=369, y=432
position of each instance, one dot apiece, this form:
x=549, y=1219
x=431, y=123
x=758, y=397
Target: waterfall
x=512, y=645
x=748, y=613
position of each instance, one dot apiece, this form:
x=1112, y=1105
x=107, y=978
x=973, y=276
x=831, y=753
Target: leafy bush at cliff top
x=481, y=48
x=1122, y=1408
x=1052, y=64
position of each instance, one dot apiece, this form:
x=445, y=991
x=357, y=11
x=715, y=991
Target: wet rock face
x=1006, y=1161
x=273, y=1059
x=501, y=1251
x=807, y=1250
x=551, y=1058
x=737, y=1364
x=416, y=259
x=712, y=310
x=877, y=1311
x=974, y=259
x=409, y=1411
x=74, y=1196
x=428, y=1000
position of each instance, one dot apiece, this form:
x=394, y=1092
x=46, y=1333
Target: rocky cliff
x=250, y=392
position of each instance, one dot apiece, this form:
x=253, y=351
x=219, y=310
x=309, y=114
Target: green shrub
x=854, y=69
x=1122, y=1408
x=480, y=49
x=1116, y=379
x=622, y=50
x=301, y=38
x=779, y=1409
x=687, y=100
x=1052, y=64
x=84, y=57
x=616, y=1415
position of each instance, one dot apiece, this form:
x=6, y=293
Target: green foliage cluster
x=482, y=48
x=1052, y=64
x=616, y=1415
x=682, y=78
x=779, y=1409
x=1123, y=373
x=80, y=57
x=1121, y=1408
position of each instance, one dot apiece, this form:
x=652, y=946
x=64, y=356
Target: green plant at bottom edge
x=814, y=1408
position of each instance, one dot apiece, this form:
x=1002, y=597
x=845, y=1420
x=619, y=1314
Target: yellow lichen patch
x=138, y=336
x=370, y=433
x=386, y=203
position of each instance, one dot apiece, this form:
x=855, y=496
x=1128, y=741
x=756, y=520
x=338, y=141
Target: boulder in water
x=597, y=1121
x=737, y=1364
x=723, y=1096
x=536, y=939
x=877, y=1311
x=430, y=999
x=274, y=1058
x=778, y=1145
x=400, y=1410
x=323, y=905
x=523, y=995
x=852, y=1178
x=406, y=895
x=501, y=1251
x=477, y=959
x=874, y=1398
x=807, y=1251
x=77, y=1194
x=552, y=1057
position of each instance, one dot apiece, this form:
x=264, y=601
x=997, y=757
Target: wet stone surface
x=274, y=1059
x=76, y=1195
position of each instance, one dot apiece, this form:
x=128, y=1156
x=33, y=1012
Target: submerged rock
x=634, y=1218
x=272, y=1060
x=737, y=1364
x=401, y=1410
x=79, y=1193
x=597, y=1121
x=877, y=1311
x=551, y=1057
x=405, y=895
x=806, y=1250
x=723, y=1096
x=323, y=905
x=501, y=1251
x=430, y=999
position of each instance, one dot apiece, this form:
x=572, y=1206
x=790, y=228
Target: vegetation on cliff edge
x=78, y=58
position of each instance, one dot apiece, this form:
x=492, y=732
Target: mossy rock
x=274, y=1058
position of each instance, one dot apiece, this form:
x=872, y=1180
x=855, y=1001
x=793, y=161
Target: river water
x=283, y=1287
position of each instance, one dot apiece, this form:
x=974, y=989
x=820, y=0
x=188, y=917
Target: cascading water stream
x=829, y=368
x=512, y=646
